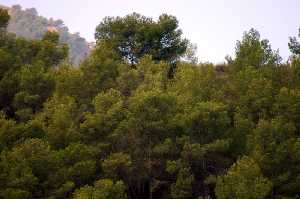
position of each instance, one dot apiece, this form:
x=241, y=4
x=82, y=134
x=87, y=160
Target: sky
x=213, y=25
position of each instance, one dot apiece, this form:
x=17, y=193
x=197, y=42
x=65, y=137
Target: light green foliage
x=10, y=132
x=36, y=85
x=58, y=120
x=243, y=180
x=69, y=81
x=103, y=189
x=128, y=80
x=153, y=76
x=242, y=128
x=117, y=163
x=193, y=83
x=273, y=144
x=24, y=167
x=182, y=189
x=287, y=104
x=51, y=52
x=105, y=101
x=255, y=93
x=152, y=113
x=252, y=51
x=109, y=112
x=99, y=73
x=164, y=148
x=269, y=137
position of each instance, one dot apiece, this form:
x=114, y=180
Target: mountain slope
x=29, y=24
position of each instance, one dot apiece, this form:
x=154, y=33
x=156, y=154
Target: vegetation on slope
x=28, y=24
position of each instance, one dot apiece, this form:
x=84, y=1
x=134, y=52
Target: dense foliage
x=28, y=24
x=107, y=130
x=134, y=36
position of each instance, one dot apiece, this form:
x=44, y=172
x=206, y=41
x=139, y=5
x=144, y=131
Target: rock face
x=27, y=23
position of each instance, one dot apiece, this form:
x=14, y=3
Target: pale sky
x=214, y=25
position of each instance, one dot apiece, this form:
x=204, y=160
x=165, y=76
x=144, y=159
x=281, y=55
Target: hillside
x=29, y=24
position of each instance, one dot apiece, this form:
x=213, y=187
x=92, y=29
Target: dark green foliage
x=4, y=18
x=111, y=129
x=134, y=36
x=26, y=79
x=294, y=45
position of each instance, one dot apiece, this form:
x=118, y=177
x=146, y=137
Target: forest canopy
x=119, y=126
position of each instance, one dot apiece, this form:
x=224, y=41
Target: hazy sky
x=214, y=25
